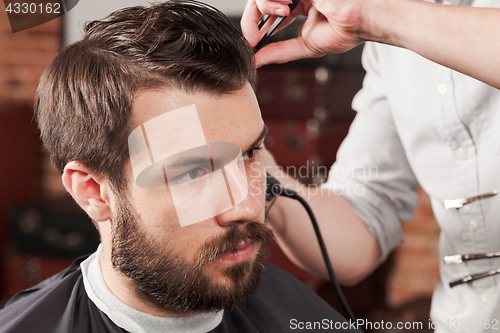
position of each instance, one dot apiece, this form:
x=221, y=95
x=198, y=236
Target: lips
x=243, y=251
x=242, y=245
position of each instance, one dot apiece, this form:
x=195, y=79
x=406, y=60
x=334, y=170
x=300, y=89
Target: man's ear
x=90, y=191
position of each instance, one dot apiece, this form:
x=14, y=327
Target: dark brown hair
x=84, y=99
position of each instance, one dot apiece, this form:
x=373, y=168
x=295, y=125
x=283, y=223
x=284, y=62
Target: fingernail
x=279, y=12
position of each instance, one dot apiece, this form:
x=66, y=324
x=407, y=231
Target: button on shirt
x=420, y=123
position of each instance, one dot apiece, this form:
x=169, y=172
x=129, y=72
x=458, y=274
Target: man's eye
x=251, y=153
x=190, y=175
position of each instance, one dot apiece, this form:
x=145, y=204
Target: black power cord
x=273, y=189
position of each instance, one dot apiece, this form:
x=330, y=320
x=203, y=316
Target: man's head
x=84, y=100
x=131, y=67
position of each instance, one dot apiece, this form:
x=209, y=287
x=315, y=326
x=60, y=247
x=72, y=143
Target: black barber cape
x=61, y=305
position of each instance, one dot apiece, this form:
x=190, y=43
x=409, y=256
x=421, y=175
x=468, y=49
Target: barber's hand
x=332, y=26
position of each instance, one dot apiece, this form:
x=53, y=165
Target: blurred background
x=307, y=108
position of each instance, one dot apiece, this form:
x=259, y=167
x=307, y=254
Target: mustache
x=229, y=241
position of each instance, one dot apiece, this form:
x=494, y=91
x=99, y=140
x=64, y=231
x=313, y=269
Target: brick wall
x=23, y=57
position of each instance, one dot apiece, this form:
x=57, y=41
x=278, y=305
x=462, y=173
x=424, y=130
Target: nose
x=248, y=210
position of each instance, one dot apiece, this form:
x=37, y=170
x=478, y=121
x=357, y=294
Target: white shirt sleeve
x=372, y=171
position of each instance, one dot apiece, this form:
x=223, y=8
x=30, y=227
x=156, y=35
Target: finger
x=250, y=23
x=285, y=51
x=301, y=10
x=275, y=7
x=253, y=14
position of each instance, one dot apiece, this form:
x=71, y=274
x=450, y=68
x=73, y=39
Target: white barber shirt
x=420, y=123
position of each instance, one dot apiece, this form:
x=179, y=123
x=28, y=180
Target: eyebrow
x=186, y=162
x=261, y=137
x=183, y=162
x=192, y=157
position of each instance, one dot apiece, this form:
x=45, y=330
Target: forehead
x=233, y=117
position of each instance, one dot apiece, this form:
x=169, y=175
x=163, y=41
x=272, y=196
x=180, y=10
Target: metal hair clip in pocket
x=459, y=203
x=459, y=258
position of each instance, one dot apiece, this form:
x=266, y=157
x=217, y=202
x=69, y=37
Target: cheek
x=158, y=218
x=155, y=209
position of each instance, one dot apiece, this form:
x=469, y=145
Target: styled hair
x=84, y=100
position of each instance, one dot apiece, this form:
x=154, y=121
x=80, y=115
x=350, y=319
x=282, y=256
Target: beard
x=161, y=277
